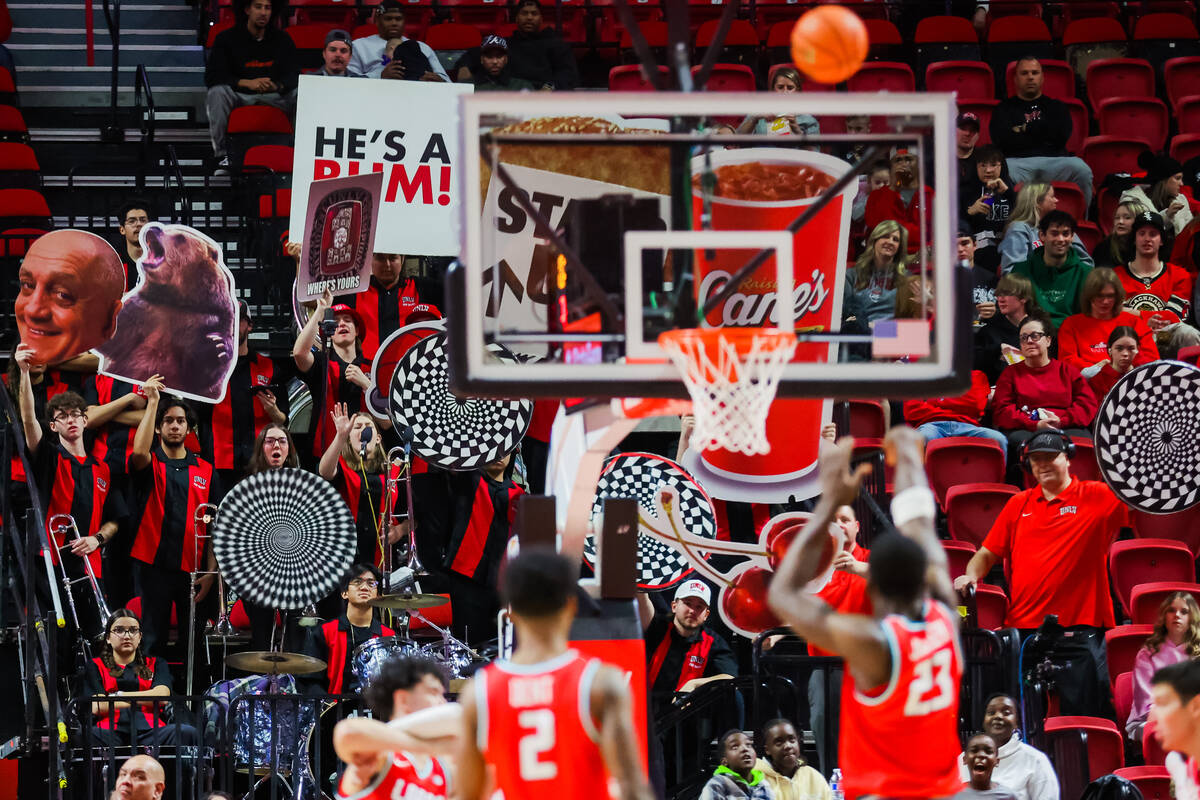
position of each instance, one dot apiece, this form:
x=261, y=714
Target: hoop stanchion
x=732, y=375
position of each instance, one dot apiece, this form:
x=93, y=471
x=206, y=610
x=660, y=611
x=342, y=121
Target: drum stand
x=447, y=637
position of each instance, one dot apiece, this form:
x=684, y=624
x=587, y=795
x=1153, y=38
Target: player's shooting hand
x=838, y=483
x=152, y=387
x=355, y=375
x=393, y=71
x=829, y=431
x=84, y=545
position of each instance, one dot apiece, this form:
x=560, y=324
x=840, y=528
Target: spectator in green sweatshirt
x=1055, y=269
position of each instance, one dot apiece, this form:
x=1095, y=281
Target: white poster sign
x=407, y=130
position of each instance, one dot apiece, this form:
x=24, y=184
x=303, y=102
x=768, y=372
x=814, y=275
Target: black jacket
x=1047, y=127
x=995, y=332
x=237, y=55
x=543, y=59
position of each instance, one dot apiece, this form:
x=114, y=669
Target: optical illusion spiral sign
x=284, y=538
x=451, y=432
x=1148, y=437
x=640, y=476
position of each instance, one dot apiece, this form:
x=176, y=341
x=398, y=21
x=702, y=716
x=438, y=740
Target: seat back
x=1118, y=77
x=972, y=508
x=1182, y=526
x=1187, y=113
x=452, y=36
x=991, y=606
x=1070, y=199
x=1108, y=154
x=1145, y=598
x=970, y=80
x=867, y=419
x=1154, y=782
x=961, y=459
x=958, y=554
x=629, y=78
x=883, y=76
x=1080, y=124
x=1143, y=117
x=1181, y=76
x=1140, y=561
x=1105, y=747
x=1121, y=645
x=1123, y=697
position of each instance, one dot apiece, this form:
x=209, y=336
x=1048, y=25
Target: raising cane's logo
x=754, y=302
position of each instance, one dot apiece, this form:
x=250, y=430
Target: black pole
x=113, y=133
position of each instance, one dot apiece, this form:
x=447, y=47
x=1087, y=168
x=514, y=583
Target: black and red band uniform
x=363, y=493
x=329, y=387
x=383, y=310
x=53, y=383
x=335, y=644
x=672, y=660
x=114, y=442
x=100, y=681
x=227, y=430
x=168, y=492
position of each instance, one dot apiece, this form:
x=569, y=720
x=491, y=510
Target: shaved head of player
x=548, y=721
x=904, y=661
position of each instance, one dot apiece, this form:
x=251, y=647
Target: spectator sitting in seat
x=1034, y=201
x=1122, y=349
x=1158, y=291
x=336, y=55
x=118, y=677
x=252, y=63
x=872, y=282
x=785, y=80
x=367, y=58
x=786, y=773
x=878, y=176
x=737, y=777
x=336, y=640
x=130, y=218
x=967, y=136
x=140, y=778
x=937, y=417
x=540, y=56
x=494, y=74
x=1117, y=247
x=1033, y=131
x=1040, y=392
x=1056, y=269
x=980, y=759
x=1083, y=338
x=1021, y=768
x=986, y=202
x=983, y=280
x=1176, y=638
x=902, y=199
x=996, y=342
x=1164, y=177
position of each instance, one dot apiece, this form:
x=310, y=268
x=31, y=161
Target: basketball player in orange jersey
x=549, y=722
x=383, y=762
x=904, y=663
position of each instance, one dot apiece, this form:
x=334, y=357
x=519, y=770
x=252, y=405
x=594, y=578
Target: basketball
x=829, y=43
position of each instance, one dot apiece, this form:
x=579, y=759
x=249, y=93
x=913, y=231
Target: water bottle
x=835, y=785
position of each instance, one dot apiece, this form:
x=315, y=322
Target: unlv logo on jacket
x=199, y=482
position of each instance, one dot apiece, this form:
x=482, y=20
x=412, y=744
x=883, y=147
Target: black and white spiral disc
x=284, y=538
x=455, y=433
x=641, y=476
x=1148, y=437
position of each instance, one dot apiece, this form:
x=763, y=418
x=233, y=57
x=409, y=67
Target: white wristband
x=913, y=503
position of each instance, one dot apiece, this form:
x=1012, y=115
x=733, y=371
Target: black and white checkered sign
x=284, y=538
x=1148, y=437
x=454, y=433
x=640, y=476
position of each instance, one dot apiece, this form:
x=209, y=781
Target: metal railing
x=113, y=132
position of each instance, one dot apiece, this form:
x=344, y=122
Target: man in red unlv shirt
x=903, y=663
x=169, y=483
x=549, y=722
x=380, y=763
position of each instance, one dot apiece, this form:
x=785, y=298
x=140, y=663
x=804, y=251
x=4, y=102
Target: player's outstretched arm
x=913, y=507
x=355, y=738
x=472, y=772
x=858, y=639
x=618, y=740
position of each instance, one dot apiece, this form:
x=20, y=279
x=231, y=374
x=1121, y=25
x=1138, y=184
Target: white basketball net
x=732, y=380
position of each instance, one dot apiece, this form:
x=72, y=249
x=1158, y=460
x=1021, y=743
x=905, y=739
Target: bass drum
x=370, y=655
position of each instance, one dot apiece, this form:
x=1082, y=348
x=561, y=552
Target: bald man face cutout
x=71, y=284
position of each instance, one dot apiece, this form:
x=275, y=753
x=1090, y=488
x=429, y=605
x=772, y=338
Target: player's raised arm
x=618, y=740
x=471, y=771
x=913, y=508
x=858, y=639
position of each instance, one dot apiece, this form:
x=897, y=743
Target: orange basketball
x=829, y=43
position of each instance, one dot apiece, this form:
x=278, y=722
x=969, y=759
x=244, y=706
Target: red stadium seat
x=867, y=419
x=309, y=37
x=1093, y=30
x=1154, y=782
x=1164, y=26
x=15, y=241
x=982, y=109
x=1145, y=598
x=12, y=124
x=655, y=34
x=1152, y=753
x=728, y=78
x=452, y=36
x=1181, y=76
x=364, y=30
x=1089, y=233
x=1083, y=9
x=991, y=606
x=1109, y=154
x=1118, y=77
x=213, y=30
x=741, y=34
x=275, y=205
x=972, y=508
x=958, y=554
x=1106, y=206
x=1143, y=117
x=1084, y=465
x=485, y=15
x=1138, y=561
x=238, y=617
x=970, y=80
x=612, y=29
x=1059, y=79
x=945, y=38
x=258, y=119
x=883, y=76
x=956, y=460
x=275, y=157
x=1080, y=124
x=1187, y=113
x=883, y=33
x=1070, y=199
x=19, y=167
x=1014, y=8
x=1020, y=28
x=340, y=13
x=1122, y=690
x=1121, y=645
x=628, y=78
x=1105, y=745
x=1185, y=146
x=1182, y=526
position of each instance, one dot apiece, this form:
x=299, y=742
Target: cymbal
x=275, y=663
x=407, y=602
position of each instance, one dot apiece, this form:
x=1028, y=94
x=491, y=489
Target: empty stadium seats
x=1154, y=782
x=1121, y=645
x=1105, y=748
x=1139, y=561
x=1143, y=117
x=970, y=80
x=972, y=508
x=962, y=459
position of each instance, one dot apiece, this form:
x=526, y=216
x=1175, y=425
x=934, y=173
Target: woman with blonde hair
x=871, y=283
x=996, y=342
x=1176, y=638
x=1034, y=201
x=784, y=80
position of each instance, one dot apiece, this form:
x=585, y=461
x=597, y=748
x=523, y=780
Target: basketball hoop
x=732, y=375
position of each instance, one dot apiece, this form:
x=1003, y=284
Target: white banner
x=408, y=130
